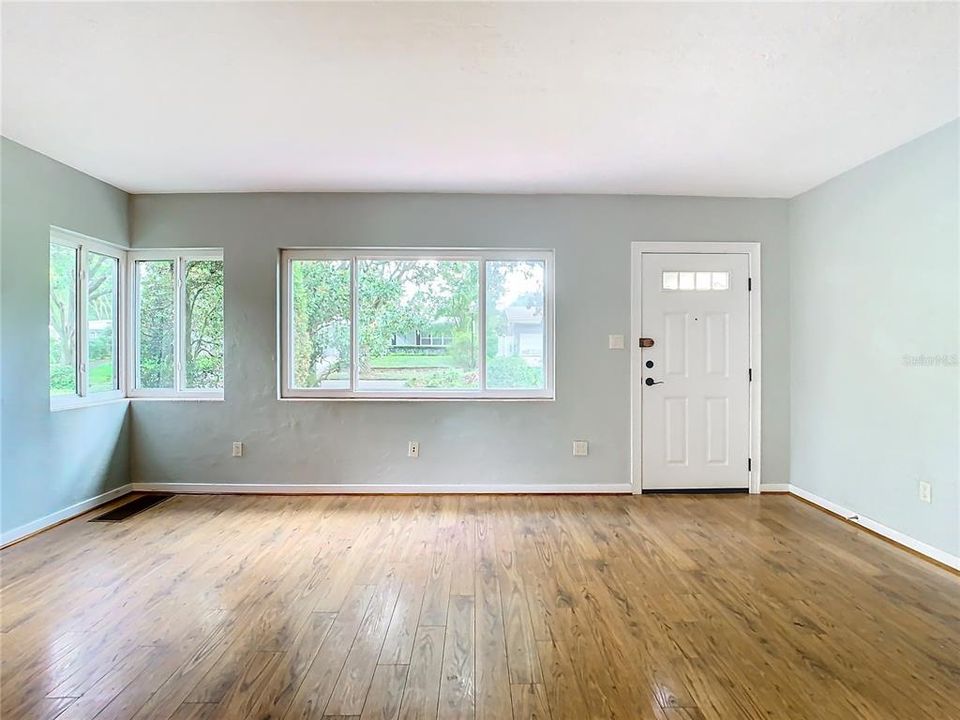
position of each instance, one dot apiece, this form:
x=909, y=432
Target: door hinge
x=749, y=284
x=750, y=374
x=749, y=464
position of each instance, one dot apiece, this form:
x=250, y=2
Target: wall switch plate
x=616, y=342
x=926, y=492
x=413, y=449
x=580, y=448
x=238, y=449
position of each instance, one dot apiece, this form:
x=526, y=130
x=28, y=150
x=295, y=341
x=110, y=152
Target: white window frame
x=353, y=256
x=180, y=258
x=83, y=245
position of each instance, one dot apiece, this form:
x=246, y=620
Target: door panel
x=695, y=423
x=675, y=343
x=677, y=430
x=718, y=418
x=718, y=344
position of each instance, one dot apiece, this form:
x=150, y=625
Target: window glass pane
x=103, y=272
x=155, y=323
x=515, y=329
x=406, y=309
x=696, y=280
x=203, y=324
x=63, y=320
x=320, y=323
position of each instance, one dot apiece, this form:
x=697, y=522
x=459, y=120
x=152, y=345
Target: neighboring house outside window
x=524, y=335
x=417, y=339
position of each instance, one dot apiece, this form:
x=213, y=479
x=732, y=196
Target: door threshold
x=689, y=491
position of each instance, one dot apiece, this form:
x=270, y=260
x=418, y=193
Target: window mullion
x=120, y=323
x=482, y=322
x=286, y=325
x=180, y=326
x=131, y=305
x=81, y=321
x=354, y=325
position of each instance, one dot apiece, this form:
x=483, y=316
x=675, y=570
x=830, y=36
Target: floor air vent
x=135, y=506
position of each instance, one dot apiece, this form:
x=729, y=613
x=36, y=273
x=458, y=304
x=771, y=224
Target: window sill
x=419, y=399
x=173, y=398
x=85, y=403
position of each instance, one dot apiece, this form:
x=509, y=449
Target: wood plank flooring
x=475, y=607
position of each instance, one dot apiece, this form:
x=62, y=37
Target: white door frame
x=752, y=250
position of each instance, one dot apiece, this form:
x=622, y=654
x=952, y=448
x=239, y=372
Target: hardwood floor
x=499, y=607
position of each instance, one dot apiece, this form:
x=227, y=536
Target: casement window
x=177, y=323
x=86, y=281
x=417, y=324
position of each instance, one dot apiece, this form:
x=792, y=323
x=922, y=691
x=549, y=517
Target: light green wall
x=873, y=283
x=50, y=461
x=466, y=442
x=869, y=277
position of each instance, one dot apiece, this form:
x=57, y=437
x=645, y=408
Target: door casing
x=638, y=249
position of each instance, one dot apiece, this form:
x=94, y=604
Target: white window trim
x=180, y=257
x=353, y=255
x=85, y=244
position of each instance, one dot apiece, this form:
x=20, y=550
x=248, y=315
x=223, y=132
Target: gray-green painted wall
x=466, y=442
x=870, y=276
x=874, y=284
x=50, y=461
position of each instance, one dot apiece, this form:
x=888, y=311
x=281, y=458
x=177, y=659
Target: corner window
x=84, y=320
x=417, y=324
x=177, y=323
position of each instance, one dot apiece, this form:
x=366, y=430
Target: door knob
x=650, y=381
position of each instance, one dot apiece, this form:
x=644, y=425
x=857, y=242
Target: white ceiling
x=751, y=99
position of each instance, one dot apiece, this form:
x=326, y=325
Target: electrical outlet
x=238, y=449
x=580, y=448
x=926, y=492
x=413, y=449
x=615, y=342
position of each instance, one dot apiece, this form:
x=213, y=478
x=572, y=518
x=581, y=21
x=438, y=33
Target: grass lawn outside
x=99, y=379
x=389, y=362
x=436, y=371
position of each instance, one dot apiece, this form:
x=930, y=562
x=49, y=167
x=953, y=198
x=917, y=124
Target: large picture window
x=417, y=324
x=177, y=323
x=84, y=320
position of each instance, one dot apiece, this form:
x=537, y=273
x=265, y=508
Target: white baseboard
x=898, y=537
x=79, y=508
x=379, y=489
x=775, y=488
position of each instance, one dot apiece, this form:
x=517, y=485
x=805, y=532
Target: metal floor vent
x=135, y=506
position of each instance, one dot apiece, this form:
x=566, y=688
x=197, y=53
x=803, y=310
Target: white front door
x=695, y=431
